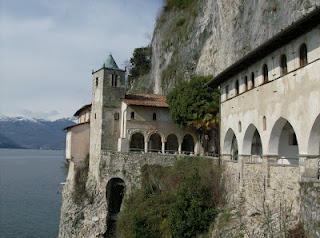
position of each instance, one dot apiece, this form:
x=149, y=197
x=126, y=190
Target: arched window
x=154, y=116
x=137, y=142
x=155, y=143
x=237, y=87
x=132, y=115
x=252, y=80
x=239, y=126
x=187, y=146
x=283, y=65
x=265, y=73
x=246, y=83
x=97, y=82
x=303, y=55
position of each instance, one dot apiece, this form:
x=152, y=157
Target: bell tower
x=108, y=90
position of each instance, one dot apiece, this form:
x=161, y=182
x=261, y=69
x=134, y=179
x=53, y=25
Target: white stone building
x=270, y=100
x=117, y=121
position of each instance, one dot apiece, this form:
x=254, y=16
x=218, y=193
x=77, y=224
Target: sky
x=48, y=49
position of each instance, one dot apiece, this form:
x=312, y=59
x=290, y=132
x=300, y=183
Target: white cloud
x=48, y=48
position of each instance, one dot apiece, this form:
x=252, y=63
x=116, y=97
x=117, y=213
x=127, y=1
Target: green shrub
x=178, y=4
x=178, y=201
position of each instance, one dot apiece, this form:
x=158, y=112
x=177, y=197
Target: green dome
x=110, y=63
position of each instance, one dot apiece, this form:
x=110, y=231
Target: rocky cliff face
x=209, y=35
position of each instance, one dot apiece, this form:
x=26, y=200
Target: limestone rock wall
x=215, y=35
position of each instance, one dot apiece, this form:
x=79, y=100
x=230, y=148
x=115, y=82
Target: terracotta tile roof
x=85, y=107
x=147, y=100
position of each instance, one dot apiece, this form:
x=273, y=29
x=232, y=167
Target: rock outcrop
x=210, y=35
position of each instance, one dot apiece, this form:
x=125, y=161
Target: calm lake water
x=30, y=193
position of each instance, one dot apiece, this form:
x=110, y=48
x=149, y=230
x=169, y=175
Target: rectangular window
x=227, y=91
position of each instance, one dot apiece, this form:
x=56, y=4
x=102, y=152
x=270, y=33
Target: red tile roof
x=147, y=100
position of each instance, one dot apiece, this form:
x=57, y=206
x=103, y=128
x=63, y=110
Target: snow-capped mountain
x=32, y=133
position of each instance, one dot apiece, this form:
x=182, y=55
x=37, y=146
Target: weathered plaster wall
x=294, y=97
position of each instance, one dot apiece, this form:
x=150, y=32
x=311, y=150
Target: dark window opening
x=237, y=87
x=293, y=139
x=227, y=91
x=132, y=115
x=265, y=73
x=154, y=116
x=116, y=116
x=95, y=116
x=187, y=146
x=252, y=80
x=283, y=65
x=137, y=142
x=97, y=82
x=114, y=80
x=172, y=144
x=303, y=55
x=155, y=143
x=246, y=83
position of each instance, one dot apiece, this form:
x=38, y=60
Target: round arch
x=188, y=144
x=230, y=145
x=114, y=196
x=172, y=144
x=137, y=142
x=155, y=143
x=314, y=138
x=283, y=140
x=252, y=144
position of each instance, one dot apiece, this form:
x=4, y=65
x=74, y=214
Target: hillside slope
x=32, y=133
x=206, y=36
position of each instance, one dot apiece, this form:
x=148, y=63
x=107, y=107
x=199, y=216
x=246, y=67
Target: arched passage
x=155, y=143
x=137, y=142
x=283, y=141
x=230, y=146
x=172, y=144
x=314, y=138
x=252, y=144
x=187, y=144
x=114, y=195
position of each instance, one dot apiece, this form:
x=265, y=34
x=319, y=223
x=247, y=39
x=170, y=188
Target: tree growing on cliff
x=140, y=62
x=192, y=104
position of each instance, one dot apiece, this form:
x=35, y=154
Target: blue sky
x=49, y=48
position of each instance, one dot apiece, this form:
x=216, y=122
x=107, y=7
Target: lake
x=30, y=193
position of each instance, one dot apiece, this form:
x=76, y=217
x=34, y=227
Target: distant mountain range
x=31, y=133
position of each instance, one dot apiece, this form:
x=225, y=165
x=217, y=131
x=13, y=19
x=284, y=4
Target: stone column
x=179, y=149
x=145, y=145
x=163, y=147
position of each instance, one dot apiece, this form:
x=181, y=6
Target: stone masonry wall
x=88, y=219
x=310, y=207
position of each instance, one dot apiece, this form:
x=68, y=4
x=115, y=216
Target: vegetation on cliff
x=194, y=105
x=178, y=201
x=140, y=65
